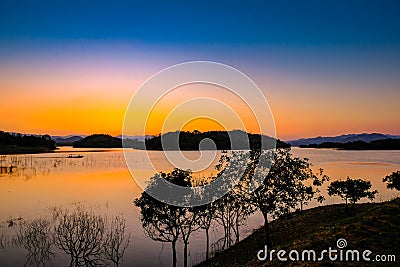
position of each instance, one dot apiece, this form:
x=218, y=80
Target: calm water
x=101, y=181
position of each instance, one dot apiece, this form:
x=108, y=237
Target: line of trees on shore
x=20, y=140
x=222, y=140
x=382, y=144
x=286, y=187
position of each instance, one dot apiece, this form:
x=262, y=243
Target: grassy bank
x=372, y=226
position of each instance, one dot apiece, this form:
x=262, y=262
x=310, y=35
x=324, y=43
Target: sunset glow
x=82, y=84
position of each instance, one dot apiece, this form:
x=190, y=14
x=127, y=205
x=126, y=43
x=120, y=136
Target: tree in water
x=88, y=238
x=80, y=234
x=116, y=242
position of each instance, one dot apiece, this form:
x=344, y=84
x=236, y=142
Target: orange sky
x=90, y=96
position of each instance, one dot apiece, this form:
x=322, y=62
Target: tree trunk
x=185, y=256
x=207, y=244
x=237, y=232
x=267, y=229
x=174, y=260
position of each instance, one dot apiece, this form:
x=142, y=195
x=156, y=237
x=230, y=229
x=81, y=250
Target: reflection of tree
x=36, y=237
x=80, y=234
x=3, y=241
x=115, y=242
x=86, y=237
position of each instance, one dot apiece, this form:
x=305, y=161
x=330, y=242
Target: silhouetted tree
x=393, y=180
x=206, y=214
x=282, y=186
x=308, y=184
x=20, y=140
x=163, y=222
x=159, y=221
x=232, y=210
x=188, y=225
x=351, y=190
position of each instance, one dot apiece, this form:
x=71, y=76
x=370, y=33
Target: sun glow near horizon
x=43, y=105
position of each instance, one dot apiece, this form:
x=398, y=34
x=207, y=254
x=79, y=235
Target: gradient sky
x=326, y=67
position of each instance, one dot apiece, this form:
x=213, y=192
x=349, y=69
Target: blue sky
x=297, y=23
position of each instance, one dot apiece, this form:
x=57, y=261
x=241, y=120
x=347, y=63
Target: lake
x=100, y=181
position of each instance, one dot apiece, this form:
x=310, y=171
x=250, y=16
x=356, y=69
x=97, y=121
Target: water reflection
x=89, y=239
x=36, y=238
x=101, y=181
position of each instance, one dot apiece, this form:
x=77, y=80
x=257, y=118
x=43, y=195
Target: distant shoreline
x=9, y=150
x=381, y=144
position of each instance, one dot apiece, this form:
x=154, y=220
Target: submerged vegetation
x=87, y=238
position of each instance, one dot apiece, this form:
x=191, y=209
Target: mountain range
x=366, y=137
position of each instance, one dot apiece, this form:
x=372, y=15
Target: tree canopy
x=352, y=190
x=393, y=180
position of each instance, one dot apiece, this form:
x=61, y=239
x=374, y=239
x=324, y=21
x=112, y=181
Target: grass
x=372, y=226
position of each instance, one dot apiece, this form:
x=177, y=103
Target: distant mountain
x=381, y=144
x=67, y=140
x=365, y=137
x=135, y=137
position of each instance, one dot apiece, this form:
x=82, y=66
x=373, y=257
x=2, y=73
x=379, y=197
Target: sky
x=326, y=68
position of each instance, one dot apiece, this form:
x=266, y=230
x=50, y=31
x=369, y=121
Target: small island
x=187, y=141
x=99, y=141
x=222, y=140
